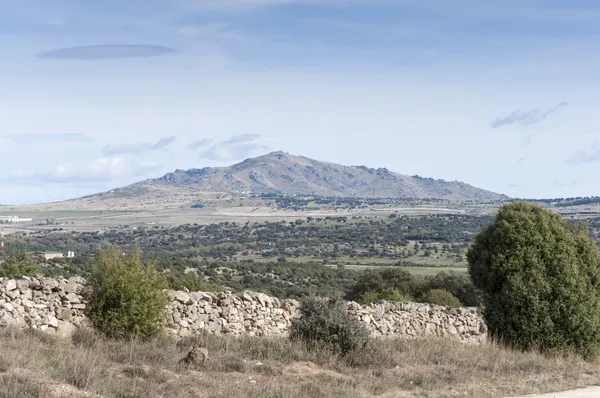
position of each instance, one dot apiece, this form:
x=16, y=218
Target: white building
x=11, y=219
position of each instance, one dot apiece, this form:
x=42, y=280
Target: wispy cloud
x=139, y=148
x=515, y=186
x=527, y=118
x=98, y=170
x=235, y=148
x=521, y=160
x=200, y=143
x=32, y=139
x=108, y=51
x=588, y=156
x=527, y=140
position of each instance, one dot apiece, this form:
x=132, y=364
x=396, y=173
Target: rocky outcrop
x=58, y=306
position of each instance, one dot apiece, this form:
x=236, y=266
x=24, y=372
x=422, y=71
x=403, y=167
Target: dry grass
x=36, y=365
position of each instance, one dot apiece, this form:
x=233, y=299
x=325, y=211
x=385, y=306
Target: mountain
x=286, y=174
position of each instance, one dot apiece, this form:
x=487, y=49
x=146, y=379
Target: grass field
x=33, y=364
x=423, y=271
x=70, y=214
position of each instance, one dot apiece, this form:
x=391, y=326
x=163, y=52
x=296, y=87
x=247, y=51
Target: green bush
x=195, y=283
x=441, y=297
x=324, y=323
x=17, y=265
x=126, y=296
x=382, y=284
x=387, y=294
x=460, y=285
x=540, y=278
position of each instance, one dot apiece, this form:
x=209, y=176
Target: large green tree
x=540, y=278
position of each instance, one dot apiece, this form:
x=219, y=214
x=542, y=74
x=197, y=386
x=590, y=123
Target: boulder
x=10, y=284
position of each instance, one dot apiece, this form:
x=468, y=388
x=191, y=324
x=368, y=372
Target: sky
x=502, y=95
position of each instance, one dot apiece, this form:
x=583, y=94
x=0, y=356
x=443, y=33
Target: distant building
x=48, y=255
x=11, y=219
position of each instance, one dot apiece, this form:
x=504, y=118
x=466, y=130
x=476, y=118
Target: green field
x=62, y=214
x=423, y=271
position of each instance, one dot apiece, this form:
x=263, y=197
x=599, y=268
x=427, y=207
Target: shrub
x=388, y=294
x=191, y=281
x=325, y=323
x=17, y=265
x=540, y=278
x=441, y=297
x=126, y=296
x=460, y=285
x=382, y=283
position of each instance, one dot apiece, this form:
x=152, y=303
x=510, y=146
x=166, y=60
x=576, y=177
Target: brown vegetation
x=33, y=364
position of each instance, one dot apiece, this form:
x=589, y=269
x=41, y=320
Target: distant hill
x=285, y=174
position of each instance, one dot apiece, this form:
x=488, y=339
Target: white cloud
x=526, y=118
x=98, y=170
x=235, y=148
x=139, y=148
x=588, y=156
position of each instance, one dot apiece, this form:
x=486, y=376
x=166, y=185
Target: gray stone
x=182, y=297
x=73, y=298
x=65, y=329
x=10, y=284
x=53, y=322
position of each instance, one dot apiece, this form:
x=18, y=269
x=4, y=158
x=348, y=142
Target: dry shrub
x=86, y=338
x=82, y=369
x=14, y=385
x=325, y=323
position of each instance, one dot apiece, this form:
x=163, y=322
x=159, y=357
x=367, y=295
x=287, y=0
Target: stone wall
x=57, y=306
x=52, y=305
x=260, y=315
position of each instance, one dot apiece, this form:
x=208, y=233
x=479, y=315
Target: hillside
x=282, y=173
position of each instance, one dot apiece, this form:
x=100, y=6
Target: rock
x=182, y=297
x=196, y=357
x=13, y=294
x=27, y=303
x=64, y=314
x=10, y=284
x=73, y=298
x=5, y=320
x=65, y=329
x=53, y=322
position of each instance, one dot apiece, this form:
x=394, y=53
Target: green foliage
x=460, y=285
x=540, y=278
x=441, y=297
x=126, y=296
x=383, y=285
x=387, y=294
x=326, y=324
x=191, y=281
x=17, y=265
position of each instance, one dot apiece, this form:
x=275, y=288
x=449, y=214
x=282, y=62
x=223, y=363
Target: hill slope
x=282, y=173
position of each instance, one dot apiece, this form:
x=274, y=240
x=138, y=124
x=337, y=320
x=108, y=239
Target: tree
x=391, y=284
x=17, y=265
x=540, y=278
x=127, y=298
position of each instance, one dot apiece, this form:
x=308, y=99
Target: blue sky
x=499, y=94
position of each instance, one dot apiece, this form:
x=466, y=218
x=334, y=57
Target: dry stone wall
x=57, y=306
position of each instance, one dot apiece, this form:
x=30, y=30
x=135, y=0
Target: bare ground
x=33, y=364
